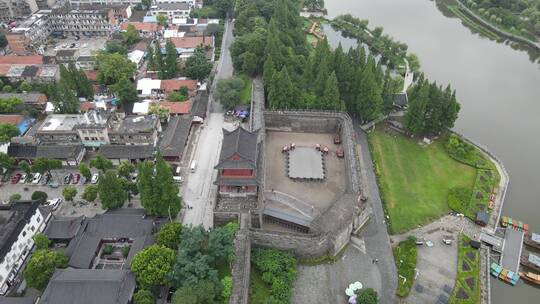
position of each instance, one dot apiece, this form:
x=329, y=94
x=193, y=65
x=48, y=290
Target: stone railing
x=293, y=202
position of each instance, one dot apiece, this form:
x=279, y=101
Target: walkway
x=513, y=244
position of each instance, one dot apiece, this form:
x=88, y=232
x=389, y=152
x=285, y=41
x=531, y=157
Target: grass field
x=467, y=287
x=259, y=291
x=415, y=180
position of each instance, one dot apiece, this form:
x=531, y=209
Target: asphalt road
x=199, y=192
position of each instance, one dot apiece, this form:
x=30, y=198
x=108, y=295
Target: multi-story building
x=18, y=224
x=88, y=20
x=171, y=10
x=135, y=130
x=12, y=9
x=30, y=34
x=104, y=2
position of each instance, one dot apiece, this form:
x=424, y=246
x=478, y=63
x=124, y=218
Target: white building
x=18, y=224
x=147, y=87
x=171, y=10
x=104, y=2
x=136, y=57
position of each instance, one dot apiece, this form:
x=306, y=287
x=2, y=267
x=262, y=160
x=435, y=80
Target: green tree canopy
x=7, y=131
x=85, y=171
x=228, y=91
x=125, y=169
x=152, y=265
x=9, y=105
x=111, y=192
x=41, y=266
x=90, y=193
x=25, y=166
x=177, y=97
x=197, y=66
x=205, y=291
x=113, y=67
x=25, y=86
x=170, y=60
x=131, y=35
x=101, y=163
x=69, y=193
x=143, y=296
x=63, y=98
x=6, y=162
x=125, y=90
x=170, y=235
x=162, y=20
x=41, y=241
x=42, y=165
x=39, y=196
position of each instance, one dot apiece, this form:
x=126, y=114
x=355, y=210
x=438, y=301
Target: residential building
x=147, y=87
x=20, y=121
x=24, y=148
x=171, y=10
x=34, y=73
x=18, y=224
x=33, y=99
x=137, y=57
x=177, y=108
x=28, y=36
x=175, y=137
x=86, y=63
x=104, y=2
x=237, y=166
x=67, y=55
x=89, y=286
x=145, y=28
x=88, y=20
x=8, y=62
x=135, y=130
x=12, y=9
x=185, y=46
x=130, y=153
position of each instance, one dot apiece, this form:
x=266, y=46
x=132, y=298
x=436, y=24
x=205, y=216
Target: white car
x=23, y=179
x=95, y=178
x=37, y=178
x=54, y=203
x=178, y=179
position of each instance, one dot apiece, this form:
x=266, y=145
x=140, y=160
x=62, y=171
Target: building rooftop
x=63, y=228
x=191, y=42
x=27, y=98
x=127, y=151
x=13, y=218
x=26, y=60
x=170, y=85
x=142, y=26
x=175, y=136
x=182, y=6
x=89, y=286
x=177, y=107
x=305, y=163
x=60, y=122
x=240, y=143
x=121, y=223
x=136, y=124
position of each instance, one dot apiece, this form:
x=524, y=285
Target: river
x=499, y=91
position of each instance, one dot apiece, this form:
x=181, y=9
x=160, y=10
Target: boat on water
x=506, y=275
x=530, y=277
x=532, y=239
x=508, y=222
x=530, y=260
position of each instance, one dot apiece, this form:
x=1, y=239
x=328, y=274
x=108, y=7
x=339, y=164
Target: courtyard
x=320, y=194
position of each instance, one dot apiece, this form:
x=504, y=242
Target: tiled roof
x=91, y=75
x=170, y=85
x=13, y=119
x=191, y=42
x=175, y=136
x=87, y=105
x=35, y=59
x=177, y=107
x=238, y=142
x=142, y=26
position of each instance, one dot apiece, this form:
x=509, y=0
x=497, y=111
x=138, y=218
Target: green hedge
x=278, y=270
x=405, y=256
x=467, y=287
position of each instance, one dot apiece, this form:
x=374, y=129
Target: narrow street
x=199, y=192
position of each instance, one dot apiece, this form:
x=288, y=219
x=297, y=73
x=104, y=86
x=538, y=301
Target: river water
x=499, y=91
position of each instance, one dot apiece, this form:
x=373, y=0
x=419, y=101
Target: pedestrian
x=376, y=261
x=372, y=261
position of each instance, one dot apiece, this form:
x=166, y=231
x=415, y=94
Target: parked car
x=76, y=178
x=95, y=178
x=134, y=177
x=54, y=203
x=23, y=178
x=67, y=178
x=15, y=178
x=45, y=180
x=178, y=179
x=37, y=178
x=54, y=185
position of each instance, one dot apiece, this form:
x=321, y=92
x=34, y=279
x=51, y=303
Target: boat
x=508, y=222
x=530, y=260
x=532, y=239
x=530, y=277
x=509, y=276
x=495, y=269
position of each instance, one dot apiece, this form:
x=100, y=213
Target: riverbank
x=478, y=23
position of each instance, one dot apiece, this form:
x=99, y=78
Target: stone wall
x=304, y=246
x=222, y=218
x=242, y=264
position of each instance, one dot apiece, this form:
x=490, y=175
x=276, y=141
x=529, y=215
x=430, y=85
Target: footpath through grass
x=415, y=180
x=245, y=94
x=405, y=256
x=467, y=287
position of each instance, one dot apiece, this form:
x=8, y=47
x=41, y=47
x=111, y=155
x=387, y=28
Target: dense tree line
x=270, y=41
x=432, y=109
x=164, y=64
x=521, y=17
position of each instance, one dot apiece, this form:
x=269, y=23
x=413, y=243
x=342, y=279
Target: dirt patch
x=470, y=283
x=471, y=256
x=465, y=266
x=462, y=294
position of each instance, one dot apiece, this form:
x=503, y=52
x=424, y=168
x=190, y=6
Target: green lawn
x=245, y=94
x=415, y=180
x=259, y=291
x=405, y=256
x=467, y=287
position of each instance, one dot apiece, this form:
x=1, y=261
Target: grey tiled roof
x=59, y=151
x=127, y=151
x=175, y=136
x=240, y=142
x=121, y=223
x=89, y=286
x=64, y=228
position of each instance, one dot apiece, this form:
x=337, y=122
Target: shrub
x=90, y=193
x=39, y=196
x=14, y=197
x=125, y=251
x=227, y=288
x=107, y=249
x=367, y=296
x=41, y=241
x=278, y=270
x=143, y=296
x=170, y=235
x=459, y=199
x=405, y=256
